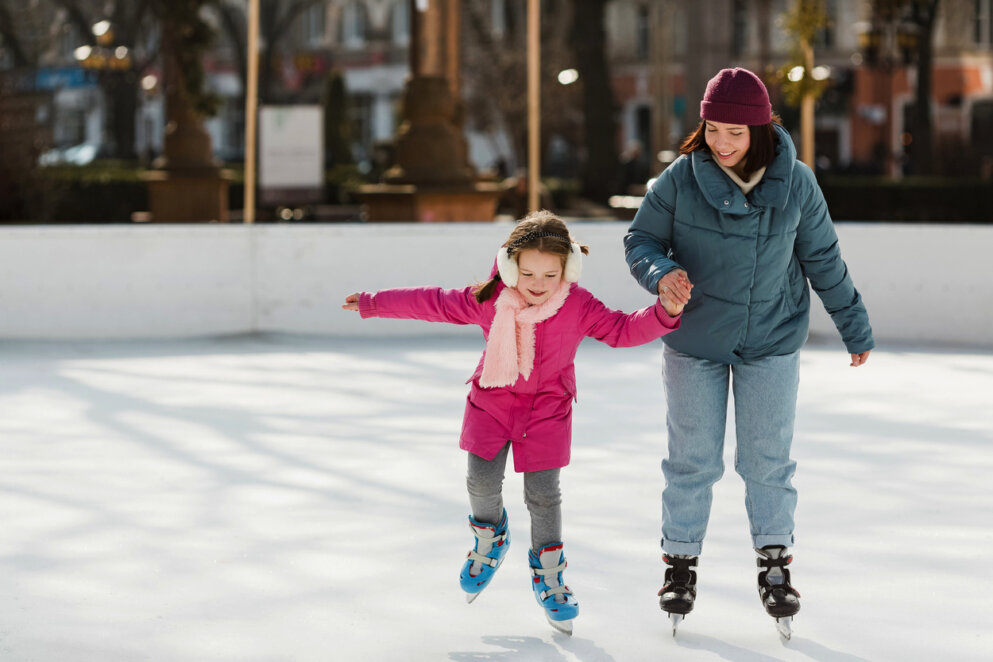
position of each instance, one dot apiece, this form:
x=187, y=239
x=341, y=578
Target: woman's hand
x=351, y=302
x=674, y=291
x=859, y=359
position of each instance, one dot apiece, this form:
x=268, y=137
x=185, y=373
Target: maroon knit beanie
x=736, y=96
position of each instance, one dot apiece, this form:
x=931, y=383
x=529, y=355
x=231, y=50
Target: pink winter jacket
x=535, y=415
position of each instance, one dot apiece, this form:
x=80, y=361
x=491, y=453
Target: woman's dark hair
x=761, y=150
x=540, y=230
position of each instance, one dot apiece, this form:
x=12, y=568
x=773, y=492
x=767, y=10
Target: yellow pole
x=251, y=108
x=807, y=109
x=534, y=102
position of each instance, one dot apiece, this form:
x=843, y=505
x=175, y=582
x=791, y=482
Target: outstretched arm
x=430, y=304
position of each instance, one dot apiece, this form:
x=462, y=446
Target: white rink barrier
x=921, y=282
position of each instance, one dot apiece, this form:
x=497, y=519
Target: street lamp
x=568, y=76
x=103, y=55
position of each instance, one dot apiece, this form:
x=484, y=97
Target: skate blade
x=676, y=619
x=785, y=627
x=565, y=627
x=469, y=597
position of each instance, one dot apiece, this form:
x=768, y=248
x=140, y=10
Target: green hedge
x=110, y=191
x=912, y=199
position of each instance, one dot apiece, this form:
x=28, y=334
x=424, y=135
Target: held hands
x=352, y=303
x=859, y=359
x=674, y=291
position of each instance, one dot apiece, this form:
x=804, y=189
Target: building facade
x=663, y=52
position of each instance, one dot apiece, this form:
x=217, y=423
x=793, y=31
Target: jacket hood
x=724, y=195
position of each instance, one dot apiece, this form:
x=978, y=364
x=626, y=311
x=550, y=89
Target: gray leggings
x=541, y=494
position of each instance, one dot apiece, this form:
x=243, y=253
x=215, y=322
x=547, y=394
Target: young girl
x=533, y=316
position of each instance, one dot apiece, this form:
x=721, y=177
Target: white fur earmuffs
x=509, y=272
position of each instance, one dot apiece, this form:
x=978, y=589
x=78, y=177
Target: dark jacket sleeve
x=820, y=257
x=648, y=244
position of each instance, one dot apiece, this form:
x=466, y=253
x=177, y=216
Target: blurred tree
x=132, y=27
x=494, y=55
x=186, y=185
x=589, y=41
x=186, y=36
x=337, y=128
x=912, y=24
x=797, y=79
x=276, y=17
x=10, y=39
x=923, y=14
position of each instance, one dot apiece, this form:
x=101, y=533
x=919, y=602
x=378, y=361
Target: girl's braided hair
x=540, y=230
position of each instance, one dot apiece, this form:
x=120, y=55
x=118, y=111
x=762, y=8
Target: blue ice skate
x=549, y=590
x=486, y=556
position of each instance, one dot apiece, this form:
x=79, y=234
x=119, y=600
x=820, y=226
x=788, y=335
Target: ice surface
x=297, y=498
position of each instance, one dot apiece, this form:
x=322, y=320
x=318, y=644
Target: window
x=400, y=23
x=6, y=59
x=826, y=37
x=643, y=33
x=360, y=115
x=69, y=40
x=679, y=29
x=70, y=125
x=498, y=17
x=353, y=25
x=316, y=23
x=983, y=22
x=739, y=28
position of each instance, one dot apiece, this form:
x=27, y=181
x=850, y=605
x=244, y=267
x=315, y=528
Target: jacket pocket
x=794, y=286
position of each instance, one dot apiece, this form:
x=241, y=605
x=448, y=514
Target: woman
x=734, y=229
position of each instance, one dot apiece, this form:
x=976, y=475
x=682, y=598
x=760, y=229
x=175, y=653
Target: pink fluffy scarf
x=510, y=345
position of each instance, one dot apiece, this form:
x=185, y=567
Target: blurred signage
x=64, y=77
x=291, y=154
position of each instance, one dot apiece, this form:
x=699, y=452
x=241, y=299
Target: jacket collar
x=724, y=195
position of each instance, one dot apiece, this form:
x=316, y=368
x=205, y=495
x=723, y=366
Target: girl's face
x=540, y=275
x=728, y=143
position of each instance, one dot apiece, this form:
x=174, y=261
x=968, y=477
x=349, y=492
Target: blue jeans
x=696, y=390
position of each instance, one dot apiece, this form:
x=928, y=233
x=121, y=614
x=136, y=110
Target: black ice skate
x=780, y=599
x=677, y=595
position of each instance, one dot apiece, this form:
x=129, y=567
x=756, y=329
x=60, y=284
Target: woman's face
x=540, y=275
x=728, y=143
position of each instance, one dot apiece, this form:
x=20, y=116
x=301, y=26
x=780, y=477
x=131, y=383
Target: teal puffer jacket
x=749, y=258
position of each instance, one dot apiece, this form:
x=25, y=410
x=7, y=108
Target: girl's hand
x=859, y=359
x=674, y=291
x=351, y=302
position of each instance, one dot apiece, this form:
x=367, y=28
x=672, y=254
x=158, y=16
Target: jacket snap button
x=727, y=202
x=524, y=435
x=746, y=205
